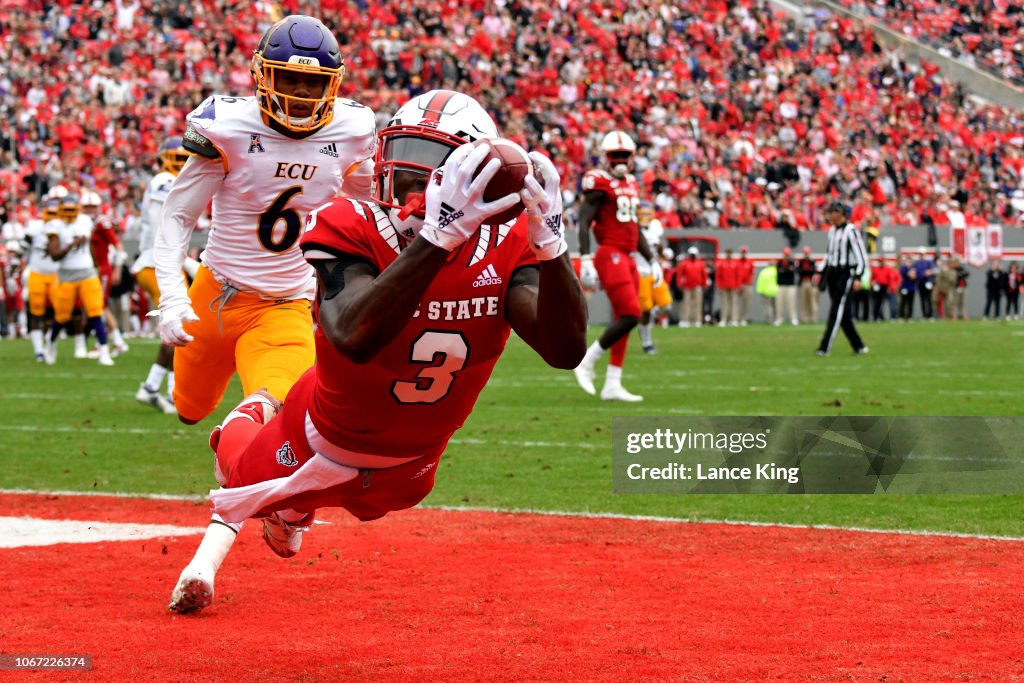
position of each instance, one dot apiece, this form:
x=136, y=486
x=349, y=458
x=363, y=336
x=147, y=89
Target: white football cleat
x=585, y=378
x=283, y=538
x=155, y=399
x=104, y=356
x=193, y=592
x=618, y=393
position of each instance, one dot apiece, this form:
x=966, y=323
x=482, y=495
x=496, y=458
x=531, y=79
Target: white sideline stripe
x=558, y=513
x=19, y=532
x=96, y=430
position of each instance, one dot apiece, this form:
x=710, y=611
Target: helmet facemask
x=172, y=155
x=298, y=69
x=298, y=95
x=419, y=139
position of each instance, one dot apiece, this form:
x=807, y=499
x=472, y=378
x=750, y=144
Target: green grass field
x=535, y=441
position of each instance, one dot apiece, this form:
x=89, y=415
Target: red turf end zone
x=476, y=596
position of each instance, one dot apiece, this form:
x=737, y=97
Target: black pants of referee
x=840, y=312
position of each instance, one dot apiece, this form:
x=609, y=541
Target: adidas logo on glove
x=448, y=215
x=488, y=277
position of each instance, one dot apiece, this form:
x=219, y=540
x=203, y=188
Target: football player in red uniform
x=416, y=299
x=609, y=207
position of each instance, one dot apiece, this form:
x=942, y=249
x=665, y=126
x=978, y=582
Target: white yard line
x=581, y=515
x=19, y=532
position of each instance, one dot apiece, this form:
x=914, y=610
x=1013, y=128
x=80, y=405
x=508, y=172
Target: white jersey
x=653, y=234
x=152, y=208
x=78, y=263
x=39, y=260
x=271, y=181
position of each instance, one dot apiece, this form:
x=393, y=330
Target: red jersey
x=615, y=224
x=727, y=275
x=103, y=238
x=418, y=390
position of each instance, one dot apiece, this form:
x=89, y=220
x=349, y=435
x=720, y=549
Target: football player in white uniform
x=78, y=279
x=171, y=159
x=42, y=276
x=265, y=162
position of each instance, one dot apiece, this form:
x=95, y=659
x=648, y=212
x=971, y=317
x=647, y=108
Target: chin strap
x=414, y=201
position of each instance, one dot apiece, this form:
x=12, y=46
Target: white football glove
x=588, y=273
x=544, y=209
x=172, y=320
x=455, y=199
x=657, y=273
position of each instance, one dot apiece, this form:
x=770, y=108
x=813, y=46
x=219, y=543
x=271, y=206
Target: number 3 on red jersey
x=446, y=353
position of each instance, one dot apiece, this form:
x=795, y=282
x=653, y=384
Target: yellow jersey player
x=653, y=292
x=264, y=162
x=78, y=279
x=42, y=276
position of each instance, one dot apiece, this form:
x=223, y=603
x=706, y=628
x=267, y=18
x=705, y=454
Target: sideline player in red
x=610, y=202
x=415, y=301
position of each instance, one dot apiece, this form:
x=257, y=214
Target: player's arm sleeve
x=191, y=193
x=358, y=182
x=198, y=144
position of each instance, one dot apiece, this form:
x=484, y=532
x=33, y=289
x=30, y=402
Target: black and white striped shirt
x=846, y=250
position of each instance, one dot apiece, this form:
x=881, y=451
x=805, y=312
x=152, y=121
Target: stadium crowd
x=987, y=34
x=744, y=116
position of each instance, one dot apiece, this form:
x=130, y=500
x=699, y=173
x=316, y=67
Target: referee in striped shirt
x=845, y=263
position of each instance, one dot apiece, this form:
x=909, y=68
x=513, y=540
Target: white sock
x=645, y=333
x=593, y=354
x=79, y=343
x=216, y=544
x=170, y=383
x=37, y=341
x=613, y=378
x=116, y=337
x=155, y=377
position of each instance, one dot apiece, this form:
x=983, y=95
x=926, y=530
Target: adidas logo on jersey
x=330, y=150
x=488, y=277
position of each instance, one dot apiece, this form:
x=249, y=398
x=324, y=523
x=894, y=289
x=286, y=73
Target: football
x=515, y=166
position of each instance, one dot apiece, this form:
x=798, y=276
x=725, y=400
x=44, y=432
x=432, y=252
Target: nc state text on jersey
x=461, y=309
